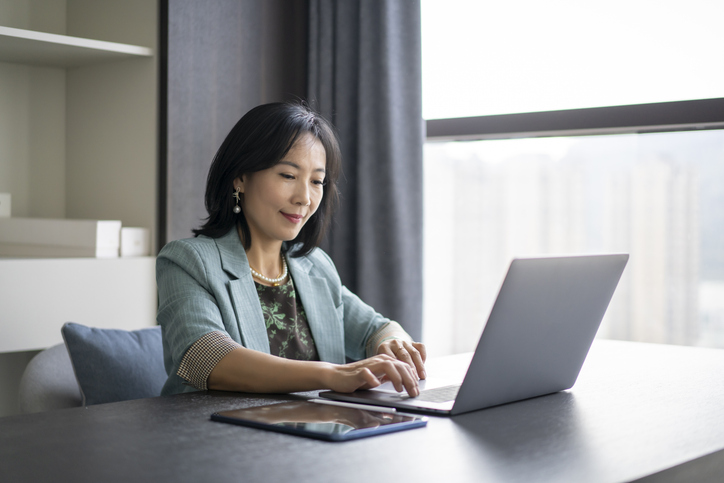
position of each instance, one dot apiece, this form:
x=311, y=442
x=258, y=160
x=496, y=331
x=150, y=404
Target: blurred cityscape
x=658, y=197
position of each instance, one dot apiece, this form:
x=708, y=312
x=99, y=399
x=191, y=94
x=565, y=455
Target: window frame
x=639, y=118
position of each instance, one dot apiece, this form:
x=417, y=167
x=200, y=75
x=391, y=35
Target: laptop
x=536, y=339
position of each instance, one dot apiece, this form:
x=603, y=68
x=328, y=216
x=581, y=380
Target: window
x=586, y=180
x=655, y=196
x=484, y=57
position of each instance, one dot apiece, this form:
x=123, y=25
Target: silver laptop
x=536, y=339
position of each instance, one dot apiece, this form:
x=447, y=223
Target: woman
x=251, y=304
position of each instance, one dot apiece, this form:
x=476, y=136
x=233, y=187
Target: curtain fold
x=364, y=75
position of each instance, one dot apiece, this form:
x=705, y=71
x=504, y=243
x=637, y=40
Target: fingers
x=412, y=353
x=401, y=374
x=418, y=358
x=372, y=372
x=421, y=349
x=369, y=379
x=387, y=350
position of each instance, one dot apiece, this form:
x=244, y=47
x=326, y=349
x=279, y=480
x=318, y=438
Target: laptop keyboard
x=439, y=394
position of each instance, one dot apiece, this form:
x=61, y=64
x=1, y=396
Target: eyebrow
x=295, y=165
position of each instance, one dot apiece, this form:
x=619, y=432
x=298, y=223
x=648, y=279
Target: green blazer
x=204, y=285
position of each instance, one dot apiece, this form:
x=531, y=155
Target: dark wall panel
x=219, y=59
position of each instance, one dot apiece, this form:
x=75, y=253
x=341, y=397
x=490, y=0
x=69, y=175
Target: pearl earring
x=237, y=208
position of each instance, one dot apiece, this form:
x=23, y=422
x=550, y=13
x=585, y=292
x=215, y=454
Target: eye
x=320, y=182
x=286, y=176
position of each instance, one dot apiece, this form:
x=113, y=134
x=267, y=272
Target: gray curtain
x=365, y=77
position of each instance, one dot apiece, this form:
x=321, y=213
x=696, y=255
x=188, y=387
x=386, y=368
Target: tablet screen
x=320, y=421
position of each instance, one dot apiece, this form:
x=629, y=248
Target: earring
x=237, y=208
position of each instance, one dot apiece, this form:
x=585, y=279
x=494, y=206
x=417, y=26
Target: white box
x=37, y=237
x=5, y=205
x=135, y=242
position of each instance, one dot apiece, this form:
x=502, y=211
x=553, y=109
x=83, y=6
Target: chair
x=48, y=382
x=94, y=366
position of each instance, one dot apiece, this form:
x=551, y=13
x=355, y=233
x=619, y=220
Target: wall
x=112, y=153
x=32, y=106
x=222, y=61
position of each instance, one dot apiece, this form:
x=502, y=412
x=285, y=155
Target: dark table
x=637, y=410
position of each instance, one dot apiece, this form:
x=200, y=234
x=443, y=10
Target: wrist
x=387, y=332
x=326, y=374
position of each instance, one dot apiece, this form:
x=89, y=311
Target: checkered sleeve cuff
x=391, y=330
x=202, y=357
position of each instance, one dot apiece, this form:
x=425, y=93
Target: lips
x=293, y=218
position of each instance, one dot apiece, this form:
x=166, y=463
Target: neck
x=267, y=262
x=264, y=257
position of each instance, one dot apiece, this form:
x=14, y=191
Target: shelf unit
x=78, y=140
x=78, y=109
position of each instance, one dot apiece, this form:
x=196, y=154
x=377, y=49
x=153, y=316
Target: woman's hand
x=247, y=370
x=372, y=372
x=412, y=353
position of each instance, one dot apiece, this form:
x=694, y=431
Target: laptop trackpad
x=425, y=385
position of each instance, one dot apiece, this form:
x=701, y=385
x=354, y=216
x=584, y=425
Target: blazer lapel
x=322, y=316
x=242, y=291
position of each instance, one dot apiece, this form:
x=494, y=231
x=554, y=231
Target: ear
x=239, y=183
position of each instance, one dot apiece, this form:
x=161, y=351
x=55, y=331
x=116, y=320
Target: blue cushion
x=115, y=365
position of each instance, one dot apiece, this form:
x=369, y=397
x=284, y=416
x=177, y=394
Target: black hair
x=261, y=138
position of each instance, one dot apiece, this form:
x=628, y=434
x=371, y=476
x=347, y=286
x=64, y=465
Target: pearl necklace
x=274, y=281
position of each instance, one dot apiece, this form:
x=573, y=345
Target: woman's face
x=278, y=201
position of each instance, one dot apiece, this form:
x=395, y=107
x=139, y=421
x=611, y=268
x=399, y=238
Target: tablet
x=320, y=421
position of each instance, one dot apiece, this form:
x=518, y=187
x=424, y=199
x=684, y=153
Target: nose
x=301, y=195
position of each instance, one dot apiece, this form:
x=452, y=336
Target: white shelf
x=51, y=50
x=37, y=296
